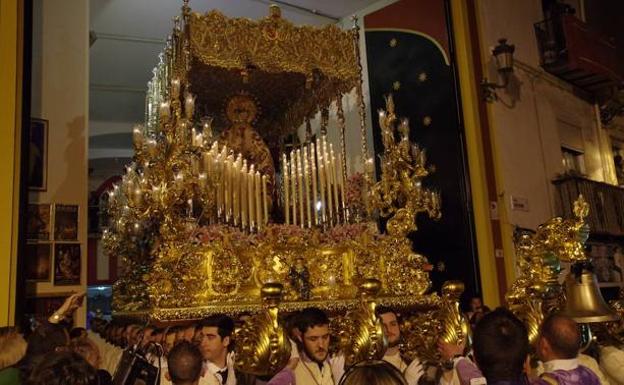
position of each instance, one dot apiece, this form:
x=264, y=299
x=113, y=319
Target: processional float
x=237, y=201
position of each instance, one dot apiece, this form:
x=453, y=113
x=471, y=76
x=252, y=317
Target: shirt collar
x=566, y=365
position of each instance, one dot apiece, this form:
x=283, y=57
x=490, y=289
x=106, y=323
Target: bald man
x=558, y=348
x=501, y=348
x=184, y=364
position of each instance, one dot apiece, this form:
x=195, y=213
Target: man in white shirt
x=214, y=338
x=313, y=366
x=392, y=330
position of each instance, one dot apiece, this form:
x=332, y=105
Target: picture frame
x=39, y=222
x=65, y=222
x=38, y=155
x=38, y=262
x=67, y=264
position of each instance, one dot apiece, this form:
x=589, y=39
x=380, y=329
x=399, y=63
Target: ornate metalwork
x=399, y=195
x=263, y=347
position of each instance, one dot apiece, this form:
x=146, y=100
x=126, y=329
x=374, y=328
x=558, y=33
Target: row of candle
x=313, y=188
x=242, y=199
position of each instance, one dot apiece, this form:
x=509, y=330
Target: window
x=573, y=161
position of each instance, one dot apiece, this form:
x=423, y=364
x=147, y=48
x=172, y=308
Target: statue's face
x=241, y=109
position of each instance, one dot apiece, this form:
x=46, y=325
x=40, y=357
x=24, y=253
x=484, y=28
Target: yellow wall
x=474, y=146
x=10, y=132
x=60, y=85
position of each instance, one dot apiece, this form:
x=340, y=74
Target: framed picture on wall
x=38, y=261
x=65, y=222
x=66, y=264
x=38, y=155
x=38, y=222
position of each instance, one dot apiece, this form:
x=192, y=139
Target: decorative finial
x=581, y=208
x=275, y=11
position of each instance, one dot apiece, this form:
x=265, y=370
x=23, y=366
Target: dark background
x=449, y=241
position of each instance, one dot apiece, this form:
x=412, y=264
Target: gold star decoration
x=422, y=77
x=396, y=85
x=427, y=120
x=393, y=42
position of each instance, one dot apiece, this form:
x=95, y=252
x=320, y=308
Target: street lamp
x=503, y=56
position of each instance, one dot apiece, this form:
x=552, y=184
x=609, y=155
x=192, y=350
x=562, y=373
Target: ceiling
x=129, y=35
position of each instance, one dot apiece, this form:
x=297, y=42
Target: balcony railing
x=606, y=203
x=574, y=52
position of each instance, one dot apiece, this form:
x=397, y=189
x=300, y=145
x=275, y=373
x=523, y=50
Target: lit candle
x=206, y=162
x=265, y=200
x=228, y=188
x=293, y=182
x=243, y=195
x=202, y=180
x=189, y=105
x=151, y=147
x=175, y=88
x=328, y=181
x=285, y=188
x=306, y=185
x=341, y=182
x=137, y=136
x=236, y=188
x=138, y=197
x=250, y=196
x=300, y=187
x=321, y=173
x=334, y=181
x=219, y=186
x=369, y=166
x=164, y=111
x=190, y=208
x=208, y=128
x=314, y=192
x=258, y=191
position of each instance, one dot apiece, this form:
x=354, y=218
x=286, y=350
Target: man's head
x=47, y=338
x=147, y=336
x=184, y=364
x=214, y=337
x=188, y=332
x=501, y=346
x=60, y=368
x=157, y=336
x=313, y=325
x=391, y=325
x=476, y=305
x=169, y=339
x=559, y=338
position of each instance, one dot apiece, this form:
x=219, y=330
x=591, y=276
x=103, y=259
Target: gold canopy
x=291, y=71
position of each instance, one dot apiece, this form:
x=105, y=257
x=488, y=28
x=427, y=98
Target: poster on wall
x=38, y=257
x=66, y=222
x=38, y=155
x=66, y=264
x=38, y=222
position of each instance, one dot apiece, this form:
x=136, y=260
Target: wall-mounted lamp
x=503, y=56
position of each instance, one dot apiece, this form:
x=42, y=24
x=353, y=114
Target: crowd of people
x=202, y=352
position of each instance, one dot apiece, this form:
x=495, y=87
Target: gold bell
x=584, y=302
